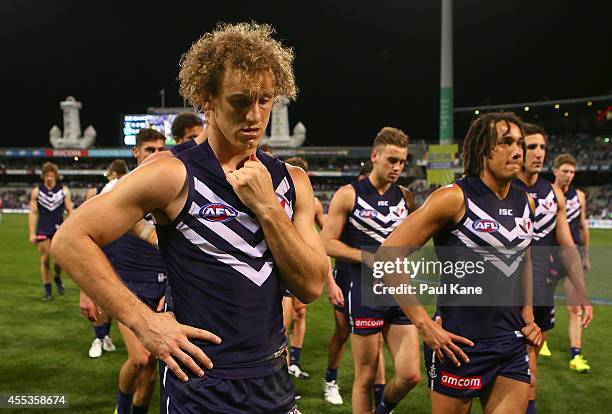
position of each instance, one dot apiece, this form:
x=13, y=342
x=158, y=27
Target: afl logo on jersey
x=368, y=213
x=485, y=225
x=217, y=212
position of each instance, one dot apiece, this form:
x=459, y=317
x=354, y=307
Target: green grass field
x=43, y=347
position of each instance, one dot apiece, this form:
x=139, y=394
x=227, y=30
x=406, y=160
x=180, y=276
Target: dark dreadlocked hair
x=481, y=138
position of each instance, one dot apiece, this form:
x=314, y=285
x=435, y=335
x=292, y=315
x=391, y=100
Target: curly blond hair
x=49, y=167
x=247, y=47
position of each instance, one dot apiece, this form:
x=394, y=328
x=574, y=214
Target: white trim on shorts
x=433, y=364
x=350, y=312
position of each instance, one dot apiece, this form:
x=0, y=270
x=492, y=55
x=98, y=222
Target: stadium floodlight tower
x=446, y=74
x=279, y=137
x=72, y=128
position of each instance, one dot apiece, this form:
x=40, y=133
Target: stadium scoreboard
x=132, y=123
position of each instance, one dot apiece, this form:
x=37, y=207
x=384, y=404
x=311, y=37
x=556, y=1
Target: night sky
x=360, y=65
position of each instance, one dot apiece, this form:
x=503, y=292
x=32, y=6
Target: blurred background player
x=564, y=169
x=186, y=126
x=360, y=217
x=550, y=228
x=101, y=320
x=335, y=288
x=48, y=201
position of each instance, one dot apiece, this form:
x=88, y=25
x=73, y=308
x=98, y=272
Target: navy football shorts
x=544, y=306
x=368, y=320
x=504, y=356
x=544, y=317
x=270, y=394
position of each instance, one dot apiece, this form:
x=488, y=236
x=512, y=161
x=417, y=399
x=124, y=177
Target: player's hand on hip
x=33, y=238
x=88, y=308
x=253, y=185
x=168, y=341
x=444, y=343
x=587, y=316
x=532, y=333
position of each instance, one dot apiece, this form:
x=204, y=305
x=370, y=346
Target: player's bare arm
x=319, y=213
x=33, y=215
x=584, y=231
x=339, y=209
x=296, y=246
x=159, y=188
x=334, y=293
x=570, y=257
x=68, y=200
x=531, y=331
x=88, y=308
x=444, y=207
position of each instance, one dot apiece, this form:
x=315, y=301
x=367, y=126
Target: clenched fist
x=253, y=185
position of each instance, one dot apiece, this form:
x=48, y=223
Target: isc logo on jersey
x=485, y=225
x=218, y=212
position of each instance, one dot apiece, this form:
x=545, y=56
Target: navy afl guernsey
x=50, y=209
x=546, y=210
x=504, y=228
x=137, y=261
x=573, y=210
x=183, y=146
x=221, y=271
x=544, y=225
x=373, y=218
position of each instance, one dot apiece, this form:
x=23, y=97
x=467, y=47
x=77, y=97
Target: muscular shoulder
x=158, y=156
x=444, y=203
x=346, y=192
x=451, y=194
x=160, y=181
x=344, y=198
x=297, y=174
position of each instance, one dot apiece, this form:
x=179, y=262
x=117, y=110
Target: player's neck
x=529, y=178
x=380, y=185
x=499, y=187
x=49, y=187
x=230, y=156
x=564, y=188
